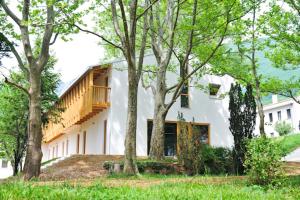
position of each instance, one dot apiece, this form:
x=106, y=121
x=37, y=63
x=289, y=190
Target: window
x=104, y=136
x=184, y=96
x=53, y=151
x=270, y=117
x=4, y=164
x=63, y=149
x=279, y=115
x=67, y=147
x=289, y=114
x=78, y=143
x=84, y=142
x=201, y=132
x=170, y=147
x=214, y=89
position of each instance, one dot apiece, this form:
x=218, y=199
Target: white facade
x=287, y=110
x=203, y=108
x=5, y=169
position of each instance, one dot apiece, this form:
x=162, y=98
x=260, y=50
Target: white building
x=94, y=120
x=281, y=110
x=5, y=169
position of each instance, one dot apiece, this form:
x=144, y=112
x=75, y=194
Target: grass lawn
x=288, y=143
x=151, y=187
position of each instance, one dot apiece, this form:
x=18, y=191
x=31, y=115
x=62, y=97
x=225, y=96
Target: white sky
x=73, y=56
x=76, y=55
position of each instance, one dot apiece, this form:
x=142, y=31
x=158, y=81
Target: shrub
x=146, y=165
x=283, y=128
x=262, y=162
x=215, y=160
x=188, y=149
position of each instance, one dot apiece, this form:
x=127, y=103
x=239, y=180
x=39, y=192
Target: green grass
x=170, y=190
x=288, y=143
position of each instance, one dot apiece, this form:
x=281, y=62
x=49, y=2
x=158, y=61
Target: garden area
x=152, y=187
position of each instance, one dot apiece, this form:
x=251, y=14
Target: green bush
x=263, y=161
x=144, y=165
x=215, y=160
x=283, y=128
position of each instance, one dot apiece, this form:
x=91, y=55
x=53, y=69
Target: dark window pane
x=289, y=114
x=270, y=117
x=170, y=138
x=4, y=163
x=279, y=115
x=214, y=89
x=184, y=101
x=201, y=132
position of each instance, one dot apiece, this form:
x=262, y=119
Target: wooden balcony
x=79, y=109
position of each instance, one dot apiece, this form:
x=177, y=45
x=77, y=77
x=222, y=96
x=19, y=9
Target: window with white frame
x=288, y=113
x=214, y=89
x=279, y=115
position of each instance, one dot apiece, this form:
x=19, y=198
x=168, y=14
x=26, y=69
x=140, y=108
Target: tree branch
x=54, y=39
x=146, y=10
x=143, y=45
x=25, y=32
x=98, y=35
x=44, y=54
x=16, y=85
x=10, y=13
x=16, y=54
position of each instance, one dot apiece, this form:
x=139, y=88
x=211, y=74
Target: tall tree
x=14, y=112
x=127, y=35
x=242, y=120
x=13, y=125
x=282, y=29
x=244, y=50
x=39, y=19
x=193, y=32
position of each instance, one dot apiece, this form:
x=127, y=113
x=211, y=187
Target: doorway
x=84, y=143
x=170, y=137
x=104, y=136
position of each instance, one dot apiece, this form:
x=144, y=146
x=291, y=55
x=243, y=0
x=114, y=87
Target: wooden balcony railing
x=80, y=109
x=101, y=95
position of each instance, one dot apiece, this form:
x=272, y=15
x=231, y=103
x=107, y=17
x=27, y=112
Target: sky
x=73, y=56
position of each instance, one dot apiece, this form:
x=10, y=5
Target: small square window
x=4, y=164
x=214, y=89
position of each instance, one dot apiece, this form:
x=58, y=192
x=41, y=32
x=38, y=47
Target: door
x=104, y=136
x=106, y=90
x=78, y=143
x=170, y=147
x=67, y=147
x=84, y=142
x=63, y=149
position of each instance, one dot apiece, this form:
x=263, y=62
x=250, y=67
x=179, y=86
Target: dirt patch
x=78, y=167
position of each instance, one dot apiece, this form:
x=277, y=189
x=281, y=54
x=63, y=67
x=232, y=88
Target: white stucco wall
x=203, y=109
x=5, y=172
x=282, y=106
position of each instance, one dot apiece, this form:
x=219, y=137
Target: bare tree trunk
x=259, y=106
x=255, y=75
x=34, y=151
x=130, y=166
x=158, y=134
x=158, y=130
